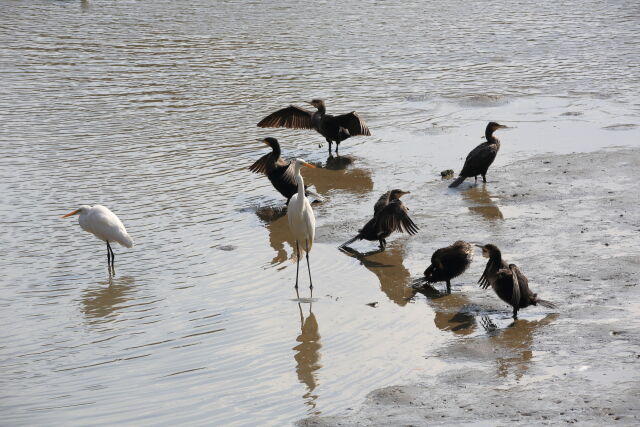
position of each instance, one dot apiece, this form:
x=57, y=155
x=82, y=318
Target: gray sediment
x=574, y=228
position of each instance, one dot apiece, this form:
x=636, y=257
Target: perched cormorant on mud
x=389, y=215
x=449, y=262
x=280, y=172
x=508, y=282
x=481, y=157
x=333, y=128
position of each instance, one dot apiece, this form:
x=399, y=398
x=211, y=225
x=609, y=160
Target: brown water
x=150, y=108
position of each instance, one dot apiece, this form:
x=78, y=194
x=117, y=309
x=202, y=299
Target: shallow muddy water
x=150, y=109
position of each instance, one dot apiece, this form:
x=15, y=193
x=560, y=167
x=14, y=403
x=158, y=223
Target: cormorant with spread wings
x=333, y=128
x=280, y=172
x=389, y=215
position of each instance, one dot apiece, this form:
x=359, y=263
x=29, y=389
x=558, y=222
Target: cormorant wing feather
x=289, y=174
x=381, y=203
x=394, y=217
x=479, y=158
x=263, y=165
x=515, y=294
x=291, y=117
x=353, y=123
x=266, y=164
x=483, y=281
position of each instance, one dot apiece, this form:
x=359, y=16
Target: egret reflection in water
x=102, y=301
x=307, y=354
x=481, y=202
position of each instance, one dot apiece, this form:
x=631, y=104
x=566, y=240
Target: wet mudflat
x=573, y=228
x=150, y=109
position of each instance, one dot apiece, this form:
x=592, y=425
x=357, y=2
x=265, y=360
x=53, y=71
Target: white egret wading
x=302, y=223
x=105, y=225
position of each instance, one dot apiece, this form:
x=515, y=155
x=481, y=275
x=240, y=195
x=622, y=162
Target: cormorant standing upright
x=508, y=282
x=481, y=157
x=449, y=262
x=389, y=215
x=333, y=128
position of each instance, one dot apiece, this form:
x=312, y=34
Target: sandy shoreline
x=575, y=224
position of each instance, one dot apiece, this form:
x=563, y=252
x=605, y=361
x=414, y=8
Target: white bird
x=302, y=223
x=105, y=225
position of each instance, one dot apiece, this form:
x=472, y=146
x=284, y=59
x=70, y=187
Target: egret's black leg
x=108, y=259
x=113, y=260
x=484, y=178
x=309, y=267
x=297, y=264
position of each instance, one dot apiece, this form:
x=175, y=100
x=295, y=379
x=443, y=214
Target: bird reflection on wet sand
x=276, y=223
x=481, y=202
x=104, y=300
x=387, y=266
x=307, y=356
x=514, y=343
x=338, y=175
x=452, y=311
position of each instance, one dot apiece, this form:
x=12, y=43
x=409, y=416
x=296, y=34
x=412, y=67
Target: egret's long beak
x=70, y=213
x=309, y=165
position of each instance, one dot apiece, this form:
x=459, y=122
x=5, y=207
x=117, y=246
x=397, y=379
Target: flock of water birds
x=389, y=213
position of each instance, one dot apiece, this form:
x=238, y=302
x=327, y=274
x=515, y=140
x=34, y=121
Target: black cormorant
x=508, y=282
x=280, y=172
x=333, y=128
x=449, y=262
x=389, y=215
x=481, y=157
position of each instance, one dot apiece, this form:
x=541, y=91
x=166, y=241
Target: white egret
x=105, y=225
x=302, y=223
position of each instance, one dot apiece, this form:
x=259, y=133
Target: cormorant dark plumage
x=449, y=262
x=508, y=282
x=389, y=215
x=481, y=157
x=280, y=172
x=333, y=128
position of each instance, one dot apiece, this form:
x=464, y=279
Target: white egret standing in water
x=105, y=225
x=302, y=223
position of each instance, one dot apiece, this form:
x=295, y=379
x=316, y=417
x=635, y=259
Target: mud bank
x=573, y=227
